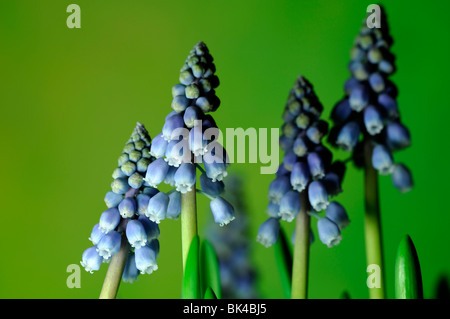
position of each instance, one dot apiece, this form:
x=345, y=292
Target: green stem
x=188, y=222
x=118, y=261
x=115, y=271
x=300, y=264
x=372, y=223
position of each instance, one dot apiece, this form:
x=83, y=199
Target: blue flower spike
x=127, y=204
x=368, y=113
x=308, y=176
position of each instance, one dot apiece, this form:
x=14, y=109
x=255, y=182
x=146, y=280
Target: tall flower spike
x=126, y=202
x=307, y=166
x=367, y=123
x=306, y=178
x=373, y=115
x=187, y=142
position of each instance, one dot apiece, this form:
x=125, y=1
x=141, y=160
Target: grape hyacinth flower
x=367, y=123
x=188, y=141
x=372, y=119
x=121, y=228
x=307, y=177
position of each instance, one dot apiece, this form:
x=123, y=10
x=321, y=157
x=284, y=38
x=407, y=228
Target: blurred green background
x=70, y=98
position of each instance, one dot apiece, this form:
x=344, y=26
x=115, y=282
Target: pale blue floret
x=329, y=232
x=348, y=136
x=185, y=177
x=142, y=203
x=156, y=172
x=145, y=258
x=159, y=145
x=174, y=206
x=191, y=115
x=382, y=160
x=300, y=146
x=177, y=152
x=268, y=232
x=278, y=187
x=273, y=209
x=341, y=111
x=96, y=234
x=289, y=160
x=289, y=206
x=170, y=176
x=300, y=176
x=178, y=89
x=151, y=228
x=120, y=185
x=336, y=213
x=157, y=207
x=127, y=207
x=130, y=272
x=211, y=188
x=91, y=260
x=109, y=220
x=397, y=136
x=316, y=165
x=402, y=178
x=215, y=168
x=373, y=120
x=180, y=103
x=136, y=234
x=172, y=123
x=112, y=199
x=359, y=98
x=389, y=105
x=222, y=211
x=197, y=144
x=318, y=196
x=377, y=83
x=109, y=245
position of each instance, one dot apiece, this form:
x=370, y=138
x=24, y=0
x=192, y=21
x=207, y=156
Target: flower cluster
x=126, y=219
x=237, y=275
x=307, y=169
x=189, y=138
x=369, y=111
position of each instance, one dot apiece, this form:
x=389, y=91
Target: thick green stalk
x=115, y=271
x=300, y=264
x=372, y=226
x=188, y=222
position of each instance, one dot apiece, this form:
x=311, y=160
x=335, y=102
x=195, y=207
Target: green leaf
x=210, y=272
x=209, y=294
x=191, y=279
x=408, y=279
x=283, y=257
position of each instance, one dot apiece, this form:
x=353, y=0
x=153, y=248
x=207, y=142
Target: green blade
x=283, y=257
x=408, y=279
x=209, y=294
x=191, y=279
x=210, y=272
